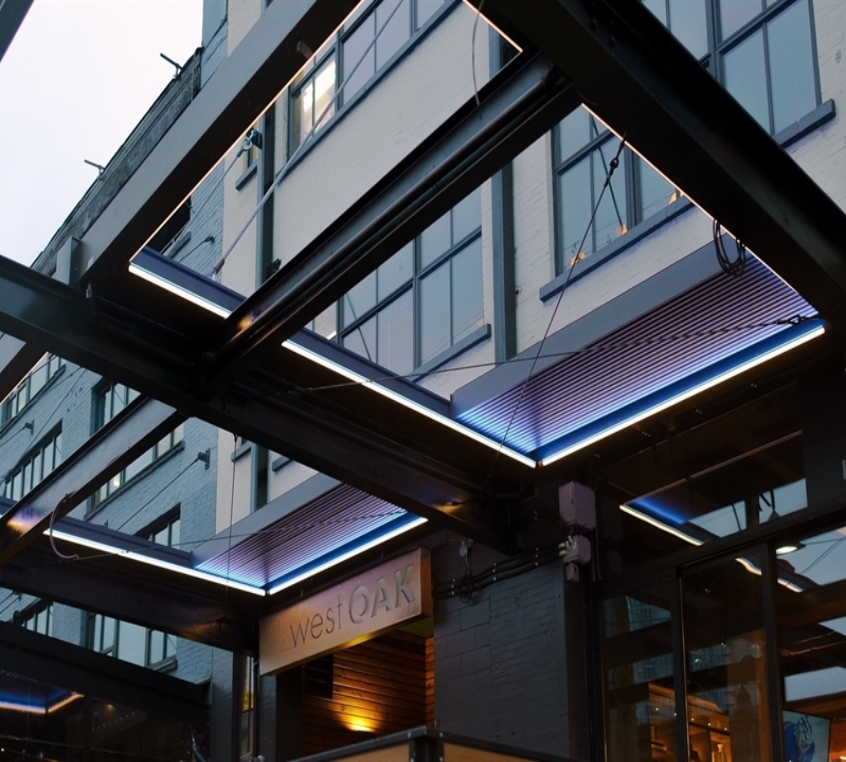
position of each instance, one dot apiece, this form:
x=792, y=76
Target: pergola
x=398, y=444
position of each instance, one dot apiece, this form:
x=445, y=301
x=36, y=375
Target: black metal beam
x=106, y=453
x=81, y=670
x=139, y=593
x=242, y=88
x=399, y=455
x=641, y=81
x=12, y=14
x=514, y=109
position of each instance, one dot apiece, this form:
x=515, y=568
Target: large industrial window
x=761, y=50
x=35, y=466
x=584, y=151
x=422, y=301
x=351, y=59
x=109, y=401
x=36, y=380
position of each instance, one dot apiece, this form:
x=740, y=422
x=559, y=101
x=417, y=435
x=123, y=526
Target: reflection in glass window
x=811, y=624
x=368, y=41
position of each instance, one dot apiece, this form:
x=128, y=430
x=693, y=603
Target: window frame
x=413, y=285
x=333, y=47
x=32, y=614
x=32, y=456
x=152, y=457
x=12, y=407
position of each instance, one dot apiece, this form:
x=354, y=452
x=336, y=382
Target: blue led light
x=653, y=508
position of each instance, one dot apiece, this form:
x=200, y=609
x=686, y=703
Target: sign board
x=378, y=600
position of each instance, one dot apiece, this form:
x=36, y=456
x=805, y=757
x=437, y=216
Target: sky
x=76, y=79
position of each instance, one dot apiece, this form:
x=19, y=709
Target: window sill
x=165, y=665
x=241, y=451
x=249, y=174
x=823, y=113
x=279, y=463
x=95, y=509
x=633, y=236
x=477, y=337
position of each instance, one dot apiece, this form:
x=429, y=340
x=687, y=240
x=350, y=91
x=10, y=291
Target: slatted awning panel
x=716, y=319
x=314, y=531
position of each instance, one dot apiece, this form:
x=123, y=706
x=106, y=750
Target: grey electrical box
x=577, y=506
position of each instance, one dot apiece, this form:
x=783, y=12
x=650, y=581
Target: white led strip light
x=675, y=399
x=410, y=404
x=184, y=293
x=104, y=548
x=345, y=556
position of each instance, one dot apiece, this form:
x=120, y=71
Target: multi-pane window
x=35, y=466
x=761, y=50
x=347, y=62
x=39, y=619
x=422, y=301
x=584, y=151
x=38, y=378
x=110, y=400
x=131, y=642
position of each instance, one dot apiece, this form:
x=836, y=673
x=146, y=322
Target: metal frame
x=633, y=74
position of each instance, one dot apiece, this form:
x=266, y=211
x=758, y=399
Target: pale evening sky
x=76, y=79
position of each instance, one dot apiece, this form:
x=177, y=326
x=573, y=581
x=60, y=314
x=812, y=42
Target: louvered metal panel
x=707, y=325
x=305, y=537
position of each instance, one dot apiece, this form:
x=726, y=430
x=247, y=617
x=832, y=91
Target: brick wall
x=505, y=670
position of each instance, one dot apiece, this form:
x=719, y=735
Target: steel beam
x=12, y=14
x=376, y=445
x=145, y=595
x=515, y=108
x=233, y=99
x=641, y=81
x=64, y=665
x=106, y=453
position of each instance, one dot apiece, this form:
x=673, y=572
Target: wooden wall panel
x=382, y=686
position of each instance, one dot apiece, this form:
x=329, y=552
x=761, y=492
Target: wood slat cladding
x=382, y=686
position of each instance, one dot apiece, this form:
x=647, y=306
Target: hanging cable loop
x=733, y=267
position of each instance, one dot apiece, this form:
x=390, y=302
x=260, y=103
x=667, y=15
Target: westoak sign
x=376, y=601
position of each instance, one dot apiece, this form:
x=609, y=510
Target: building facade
x=646, y=558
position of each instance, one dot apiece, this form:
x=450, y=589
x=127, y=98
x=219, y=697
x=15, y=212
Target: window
x=35, y=466
x=584, y=150
x=109, y=401
x=131, y=642
x=761, y=50
x=422, y=301
x=38, y=618
x=347, y=62
x=36, y=380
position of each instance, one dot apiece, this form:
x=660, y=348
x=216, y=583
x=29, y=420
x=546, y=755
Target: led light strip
x=101, y=546
x=660, y=525
x=687, y=394
x=26, y=708
x=748, y=565
x=184, y=293
x=410, y=404
x=328, y=564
